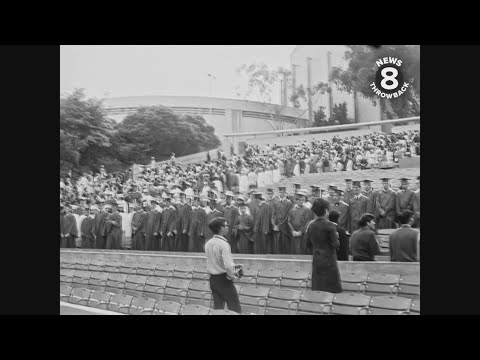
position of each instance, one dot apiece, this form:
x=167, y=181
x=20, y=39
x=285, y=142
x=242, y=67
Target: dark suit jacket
x=364, y=245
x=343, y=249
x=403, y=244
x=323, y=240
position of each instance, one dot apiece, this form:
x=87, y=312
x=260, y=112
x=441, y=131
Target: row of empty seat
x=365, y=283
x=253, y=298
x=131, y=305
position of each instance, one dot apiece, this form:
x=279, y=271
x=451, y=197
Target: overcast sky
x=113, y=71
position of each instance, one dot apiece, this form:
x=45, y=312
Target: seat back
x=377, y=311
x=349, y=304
x=165, y=307
x=65, y=292
x=249, y=276
x=313, y=302
x=222, y=312
x=176, y=290
x=183, y=271
x=155, y=287
x=82, y=264
x=390, y=302
x=96, y=265
x=67, y=263
x=112, y=266
x=164, y=270
x=409, y=285
x=354, y=281
x=294, y=279
x=98, y=281
x=282, y=301
x=194, y=310
x=81, y=278
x=66, y=276
x=120, y=303
x=141, y=303
x=253, y=299
x=146, y=269
x=80, y=296
x=134, y=285
x=129, y=268
x=200, y=273
x=99, y=299
x=415, y=306
x=199, y=293
x=382, y=284
x=269, y=277
x=116, y=283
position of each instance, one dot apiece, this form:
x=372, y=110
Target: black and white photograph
x=240, y=180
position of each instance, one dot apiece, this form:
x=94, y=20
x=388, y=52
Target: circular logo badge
x=389, y=78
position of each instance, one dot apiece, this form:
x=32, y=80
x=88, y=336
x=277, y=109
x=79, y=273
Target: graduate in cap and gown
x=100, y=222
x=262, y=226
x=349, y=193
x=358, y=206
x=113, y=227
x=184, y=214
x=168, y=225
x=212, y=214
x=281, y=231
x=343, y=208
x=138, y=228
x=193, y=232
x=70, y=230
x=152, y=226
x=372, y=195
x=385, y=206
x=405, y=198
x=230, y=213
x=243, y=230
x=298, y=220
x=88, y=228
x=416, y=205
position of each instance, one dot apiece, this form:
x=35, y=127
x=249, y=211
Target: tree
x=85, y=132
x=340, y=115
x=158, y=131
x=361, y=73
x=301, y=93
x=320, y=118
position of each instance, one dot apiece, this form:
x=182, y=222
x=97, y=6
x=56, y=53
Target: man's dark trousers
x=224, y=291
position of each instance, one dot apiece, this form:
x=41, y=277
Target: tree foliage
x=361, y=73
x=89, y=139
x=319, y=117
x=340, y=115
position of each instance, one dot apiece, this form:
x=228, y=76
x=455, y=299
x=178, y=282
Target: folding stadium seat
x=129, y=268
x=120, y=303
x=80, y=296
x=81, y=278
x=67, y=263
x=65, y=292
x=199, y=293
x=269, y=277
x=82, y=264
x=222, y=312
x=164, y=308
x=98, y=281
x=112, y=266
x=99, y=299
x=96, y=265
x=134, y=285
x=66, y=276
x=183, y=271
x=200, y=273
x=141, y=303
x=314, y=302
x=253, y=299
x=381, y=284
x=294, y=279
x=194, y=310
x=164, y=270
x=415, y=307
x=354, y=281
x=249, y=276
x=409, y=286
x=176, y=290
x=349, y=304
x=388, y=305
x=116, y=283
x=282, y=301
x=146, y=269
x=155, y=287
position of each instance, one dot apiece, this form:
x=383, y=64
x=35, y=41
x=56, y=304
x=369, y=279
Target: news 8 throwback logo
x=389, y=82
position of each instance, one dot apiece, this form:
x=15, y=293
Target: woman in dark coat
x=322, y=241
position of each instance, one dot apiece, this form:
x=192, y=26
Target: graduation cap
x=367, y=181
x=258, y=195
x=332, y=186
x=270, y=190
x=302, y=193
x=356, y=183
x=348, y=180
x=297, y=185
x=403, y=179
x=280, y=188
x=385, y=179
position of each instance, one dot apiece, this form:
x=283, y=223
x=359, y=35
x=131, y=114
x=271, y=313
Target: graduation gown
x=298, y=219
x=70, y=229
x=200, y=227
x=168, y=226
x=323, y=241
x=386, y=202
x=231, y=213
x=113, y=228
x=416, y=208
x=348, y=195
x=184, y=214
x=343, y=209
x=357, y=208
x=282, y=239
x=152, y=226
x=243, y=232
x=262, y=228
x=88, y=233
x=100, y=219
x=138, y=230
x=372, y=195
x=404, y=201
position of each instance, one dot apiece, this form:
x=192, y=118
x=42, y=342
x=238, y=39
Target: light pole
x=212, y=77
